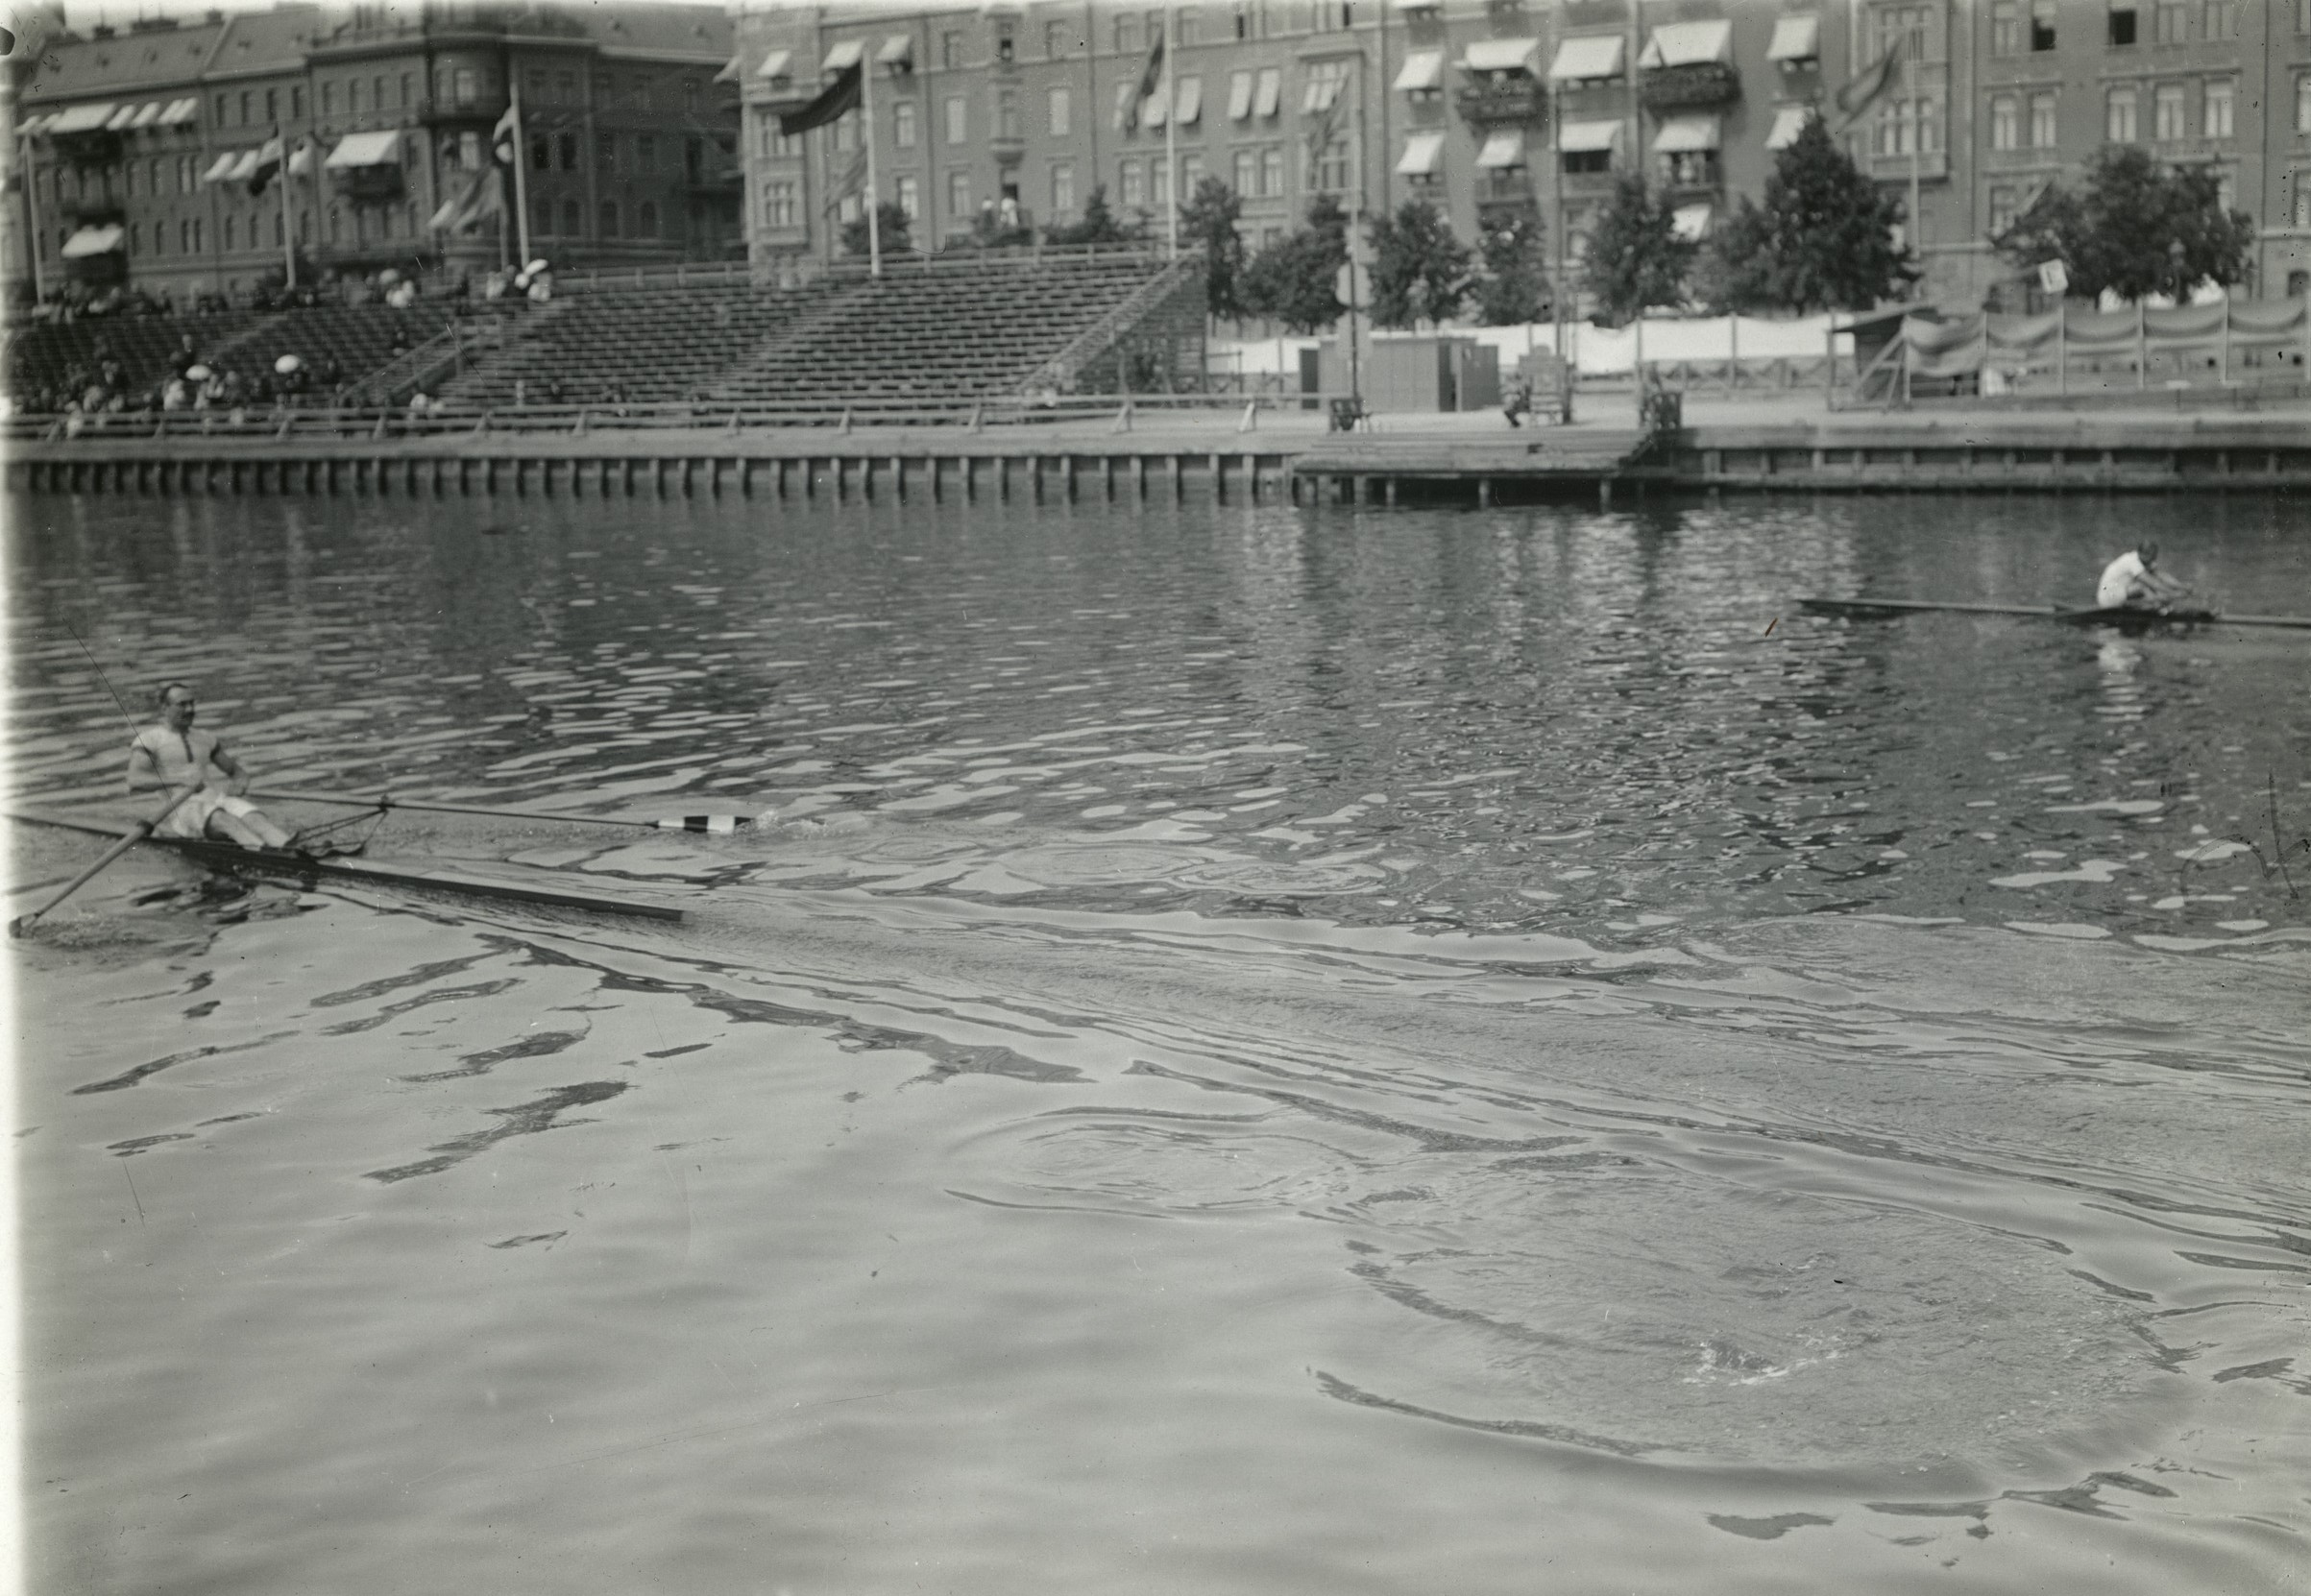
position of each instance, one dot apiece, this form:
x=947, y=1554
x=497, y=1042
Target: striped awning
x=1796, y=37
x=1582, y=59
x=1687, y=44
x=1503, y=148
x=898, y=50
x=83, y=118
x=731, y=69
x=180, y=111
x=1501, y=55
x=121, y=118
x=1422, y=153
x=1788, y=122
x=1689, y=135
x=219, y=168
x=364, y=149
x=1588, y=137
x=1422, y=69
x=93, y=241
x=150, y=114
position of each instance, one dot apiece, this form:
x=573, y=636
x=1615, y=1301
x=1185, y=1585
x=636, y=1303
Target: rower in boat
x=2134, y=581
x=173, y=755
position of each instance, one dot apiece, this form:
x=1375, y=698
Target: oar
x=23, y=923
x=386, y=801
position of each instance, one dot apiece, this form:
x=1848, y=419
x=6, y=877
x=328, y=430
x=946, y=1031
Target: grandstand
x=40, y=354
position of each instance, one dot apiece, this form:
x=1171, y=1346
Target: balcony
x=1934, y=166
x=486, y=108
x=1695, y=86
x=1589, y=186
x=1496, y=188
x=1507, y=99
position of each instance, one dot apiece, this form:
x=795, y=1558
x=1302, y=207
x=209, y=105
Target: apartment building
x=1498, y=107
x=143, y=153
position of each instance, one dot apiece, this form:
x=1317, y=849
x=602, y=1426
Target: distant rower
x=2133, y=581
x=171, y=756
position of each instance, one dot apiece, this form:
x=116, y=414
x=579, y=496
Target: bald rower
x=173, y=755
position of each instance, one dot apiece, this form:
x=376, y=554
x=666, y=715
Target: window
x=2118, y=116
x=645, y=148
x=1063, y=113
x=846, y=131
x=1006, y=114
x=296, y=103
x=1062, y=188
x=540, y=153
x=2167, y=124
x=951, y=50
x=2173, y=19
x=2303, y=17
x=2302, y=104
x=910, y=198
x=564, y=87
x=2122, y=23
x=1133, y=184
x=376, y=98
x=573, y=219
x=779, y=206
x=533, y=83
x=2002, y=210
x=1191, y=174
x=466, y=86
x=2216, y=110
x=609, y=219
x=2227, y=191
x=1160, y=181
x=605, y=151
x=408, y=89
x=569, y=151
x=132, y=180
x=1906, y=26
x=646, y=219
x=272, y=105
x=1329, y=165
x=135, y=238
x=248, y=107
x=229, y=223
x=1055, y=39
x=1272, y=170
x=904, y=130
x=2042, y=25
x=2042, y=121
x=1005, y=47
x=1248, y=165
x=2005, y=122
x=958, y=120
x=225, y=101
x=1127, y=35
x=469, y=150
x=958, y=193
x=2006, y=28
x=2223, y=18
x=1578, y=161
x=2296, y=280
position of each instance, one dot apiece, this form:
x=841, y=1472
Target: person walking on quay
x=2133, y=581
x=171, y=756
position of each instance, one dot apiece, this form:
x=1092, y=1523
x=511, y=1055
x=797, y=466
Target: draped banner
x=1961, y=346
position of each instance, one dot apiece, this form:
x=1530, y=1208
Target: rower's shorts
x=191, y=818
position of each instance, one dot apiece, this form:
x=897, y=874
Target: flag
x=1325, y=125
x=1856, y=98
x=268, y=166
x=505, y=138
x=842, y=184
x=484, y=196
x=837, y=97
x=1150, y=76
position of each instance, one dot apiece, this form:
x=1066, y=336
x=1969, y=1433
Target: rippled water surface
x=1249, y=1048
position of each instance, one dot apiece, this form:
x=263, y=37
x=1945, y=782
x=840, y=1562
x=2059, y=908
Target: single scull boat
x=2117, y=615
x=234, y=860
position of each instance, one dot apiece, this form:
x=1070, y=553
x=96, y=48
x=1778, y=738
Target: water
x=1254, y=1049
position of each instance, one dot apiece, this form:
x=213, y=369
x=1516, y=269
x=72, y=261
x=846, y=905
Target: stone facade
x=629, y=141
x=1465, y=102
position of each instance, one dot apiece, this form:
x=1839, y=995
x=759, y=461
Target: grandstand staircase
x=1167, y=309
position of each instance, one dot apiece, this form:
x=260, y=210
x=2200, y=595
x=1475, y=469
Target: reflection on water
x=1257, y=1050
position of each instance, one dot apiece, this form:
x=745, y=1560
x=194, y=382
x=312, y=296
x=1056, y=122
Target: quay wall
x=2089, y=454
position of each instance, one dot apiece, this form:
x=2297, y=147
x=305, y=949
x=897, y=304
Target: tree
x=1514, y=286
x=1636, y=258
x=2134, y=230
x=1292, y=278
x=1208, y=219
x=1420, y=269
x=1099, y=224
x=891, y=223
x=1823, y=240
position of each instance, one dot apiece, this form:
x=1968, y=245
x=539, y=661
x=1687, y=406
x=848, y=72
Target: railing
x=1519, y=100
x=358, y=423
x=422, y=366
x=802, y=273
x=1061, y=369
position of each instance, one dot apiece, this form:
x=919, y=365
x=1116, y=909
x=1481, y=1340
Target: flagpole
x=288, y=236
x=513, y=85
x=1171, y=134
x=1917, y=136
x=866, y=114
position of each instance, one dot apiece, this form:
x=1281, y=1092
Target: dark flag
x=837, y=97
x=268, y=166
x=1857, y=98
x=1150, y=76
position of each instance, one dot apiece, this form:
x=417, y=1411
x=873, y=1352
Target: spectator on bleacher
x=186, y=358
x=177, y=393
x=327, y=372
